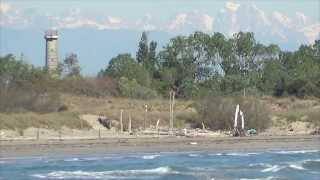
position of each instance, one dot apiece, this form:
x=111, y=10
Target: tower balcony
x=51, y=34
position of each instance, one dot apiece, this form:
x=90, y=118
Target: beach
x=23, y=148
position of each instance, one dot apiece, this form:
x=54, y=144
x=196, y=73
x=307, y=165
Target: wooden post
x=121, y=124
x=170, y=117
x=60, y=134
x=157, y=127
x=38, y=134
x=145, y=116
x=99, y=133
x=172, y=94
x=129, y=125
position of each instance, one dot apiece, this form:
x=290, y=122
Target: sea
x=271, y=164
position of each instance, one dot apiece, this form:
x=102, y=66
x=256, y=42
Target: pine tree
x=142, y=54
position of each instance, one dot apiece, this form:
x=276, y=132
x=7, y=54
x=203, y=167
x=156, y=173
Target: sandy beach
x=22, y=148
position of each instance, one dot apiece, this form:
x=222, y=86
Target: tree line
x=202, y=64
x=194, y=66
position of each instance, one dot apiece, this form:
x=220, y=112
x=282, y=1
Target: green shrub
x=95, y=87
x=130, y=88
x=217, y=113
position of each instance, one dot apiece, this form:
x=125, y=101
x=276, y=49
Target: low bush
x=131, y=88
x=95, y=87
x=21, y=99
x=217, y=113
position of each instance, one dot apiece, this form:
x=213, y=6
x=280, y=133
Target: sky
x=98, y=30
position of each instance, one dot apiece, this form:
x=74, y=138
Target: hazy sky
x=288, y=23
x=136, y=14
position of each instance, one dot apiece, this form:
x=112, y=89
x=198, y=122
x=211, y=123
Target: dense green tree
x=124, y=65
x=143, y=50
x=24, y=87
x=151, y=64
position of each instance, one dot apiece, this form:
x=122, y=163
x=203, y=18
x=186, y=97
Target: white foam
x=81, y=159
x=295, y=166
x=312, y=160
x=274, y=168
x=115, y=174
x=266, y=178
x=260, y=164
x=194, y=155
x=241, y=154
x=150, y=156
x=297, y=152
x=71, y=159
x=91, y=159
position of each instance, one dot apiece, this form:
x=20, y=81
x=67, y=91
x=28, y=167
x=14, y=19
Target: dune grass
x=111, y=106
x=57, y=120
x=293, y=109
x=285, y=110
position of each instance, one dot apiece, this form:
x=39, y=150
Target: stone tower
x=52, y=60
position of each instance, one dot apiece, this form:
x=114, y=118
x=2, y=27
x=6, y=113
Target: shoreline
x=22, y=148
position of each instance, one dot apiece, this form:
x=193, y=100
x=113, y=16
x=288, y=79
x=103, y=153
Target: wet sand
x=22, y=148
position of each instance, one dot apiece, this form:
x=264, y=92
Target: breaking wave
x=194, y=155
x=150, y=156
x=264, y=178
x=295, y=166
x=296, y=152
x=234, y=154
x=115, y=174
x=241, y=154
x=260, y=165
x=274, y=168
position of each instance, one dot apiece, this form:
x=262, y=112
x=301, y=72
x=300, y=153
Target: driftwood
x=237, y=131
x=316, y=132
x=203, y=126
x=242, y=119
x=236, y=116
